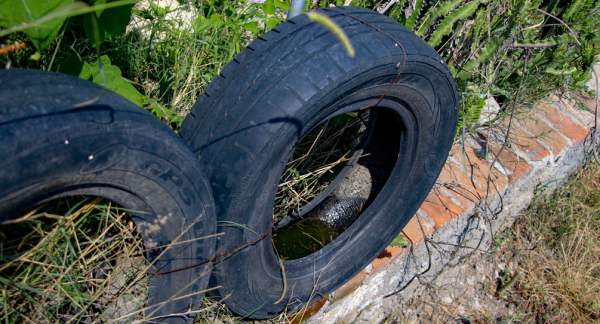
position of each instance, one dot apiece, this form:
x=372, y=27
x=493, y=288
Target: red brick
x=458, y=175
x=452, y=176
x=412, y=230
x=481, y=171
x=562, y=122
x=458, y=165
x=509, y=161
x=349, y=286
x=440, y=208
x=533, y=150
x=497, y=181
x=454, y=179
x=307, y=312
x=465, y=196
x=585, y=118
x=448, y=174
x=543, y=132
x=388, y=256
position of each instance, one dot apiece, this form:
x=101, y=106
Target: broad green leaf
x=86, y=71
x=269, y=7
x=74, y=66
x=35, y=56
x=115, y=20
x=204, y=23
x=109, y=76
x=92, y=29
x=283, y=5
x=70, y=10
x=71, y=65
x=399, y=241
x=109, y=22
x=18, y=12
x=100, y=2
x=251, y=26
x=156, y=108
x=271, y=23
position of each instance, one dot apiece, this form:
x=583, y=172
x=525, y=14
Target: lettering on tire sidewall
x=166, y=175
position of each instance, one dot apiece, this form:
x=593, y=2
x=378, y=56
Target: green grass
x=170, y=56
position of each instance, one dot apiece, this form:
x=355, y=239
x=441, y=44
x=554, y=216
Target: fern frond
x=445, y=27
x=489, y=50
x=565, y=38
x=397, y=10
x=478, y=27
x=410, y=23
x=442, y=10
x=552, y=6
x=573, y=9
x=496, y=90
x=553, y=71
x=534, y=5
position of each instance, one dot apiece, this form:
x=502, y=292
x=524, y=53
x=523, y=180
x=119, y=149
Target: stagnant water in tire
x=315, y=163
x=72, y=259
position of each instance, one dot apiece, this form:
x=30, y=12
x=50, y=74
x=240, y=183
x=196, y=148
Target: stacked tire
x=62, y=136
x=244, y=128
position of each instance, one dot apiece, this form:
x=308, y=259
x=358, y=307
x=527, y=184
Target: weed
x=560, y=272
x=544, y=269
x=168, y=56
x=318, y=159
x=71, y=260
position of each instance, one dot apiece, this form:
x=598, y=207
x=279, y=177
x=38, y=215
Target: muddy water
x=303, y=238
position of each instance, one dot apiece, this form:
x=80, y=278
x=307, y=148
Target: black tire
x=64, y=136
x=245, y=127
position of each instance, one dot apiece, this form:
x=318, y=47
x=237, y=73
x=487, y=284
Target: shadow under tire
x=64, y=136
x=244, y=129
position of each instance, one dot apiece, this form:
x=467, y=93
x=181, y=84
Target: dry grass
x=559, y=275
x=70, y=261
x=317, y=159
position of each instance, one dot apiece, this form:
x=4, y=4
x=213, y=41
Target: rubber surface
x=244, y=129
x=63, y=136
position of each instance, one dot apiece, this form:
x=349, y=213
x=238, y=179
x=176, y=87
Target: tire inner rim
x=347, y=160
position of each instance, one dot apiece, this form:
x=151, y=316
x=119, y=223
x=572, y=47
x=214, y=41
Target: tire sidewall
x=432, y=128
x=129, y=157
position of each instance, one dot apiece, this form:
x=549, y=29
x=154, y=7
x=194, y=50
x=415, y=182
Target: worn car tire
x=244, y=128
x=64, y=136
